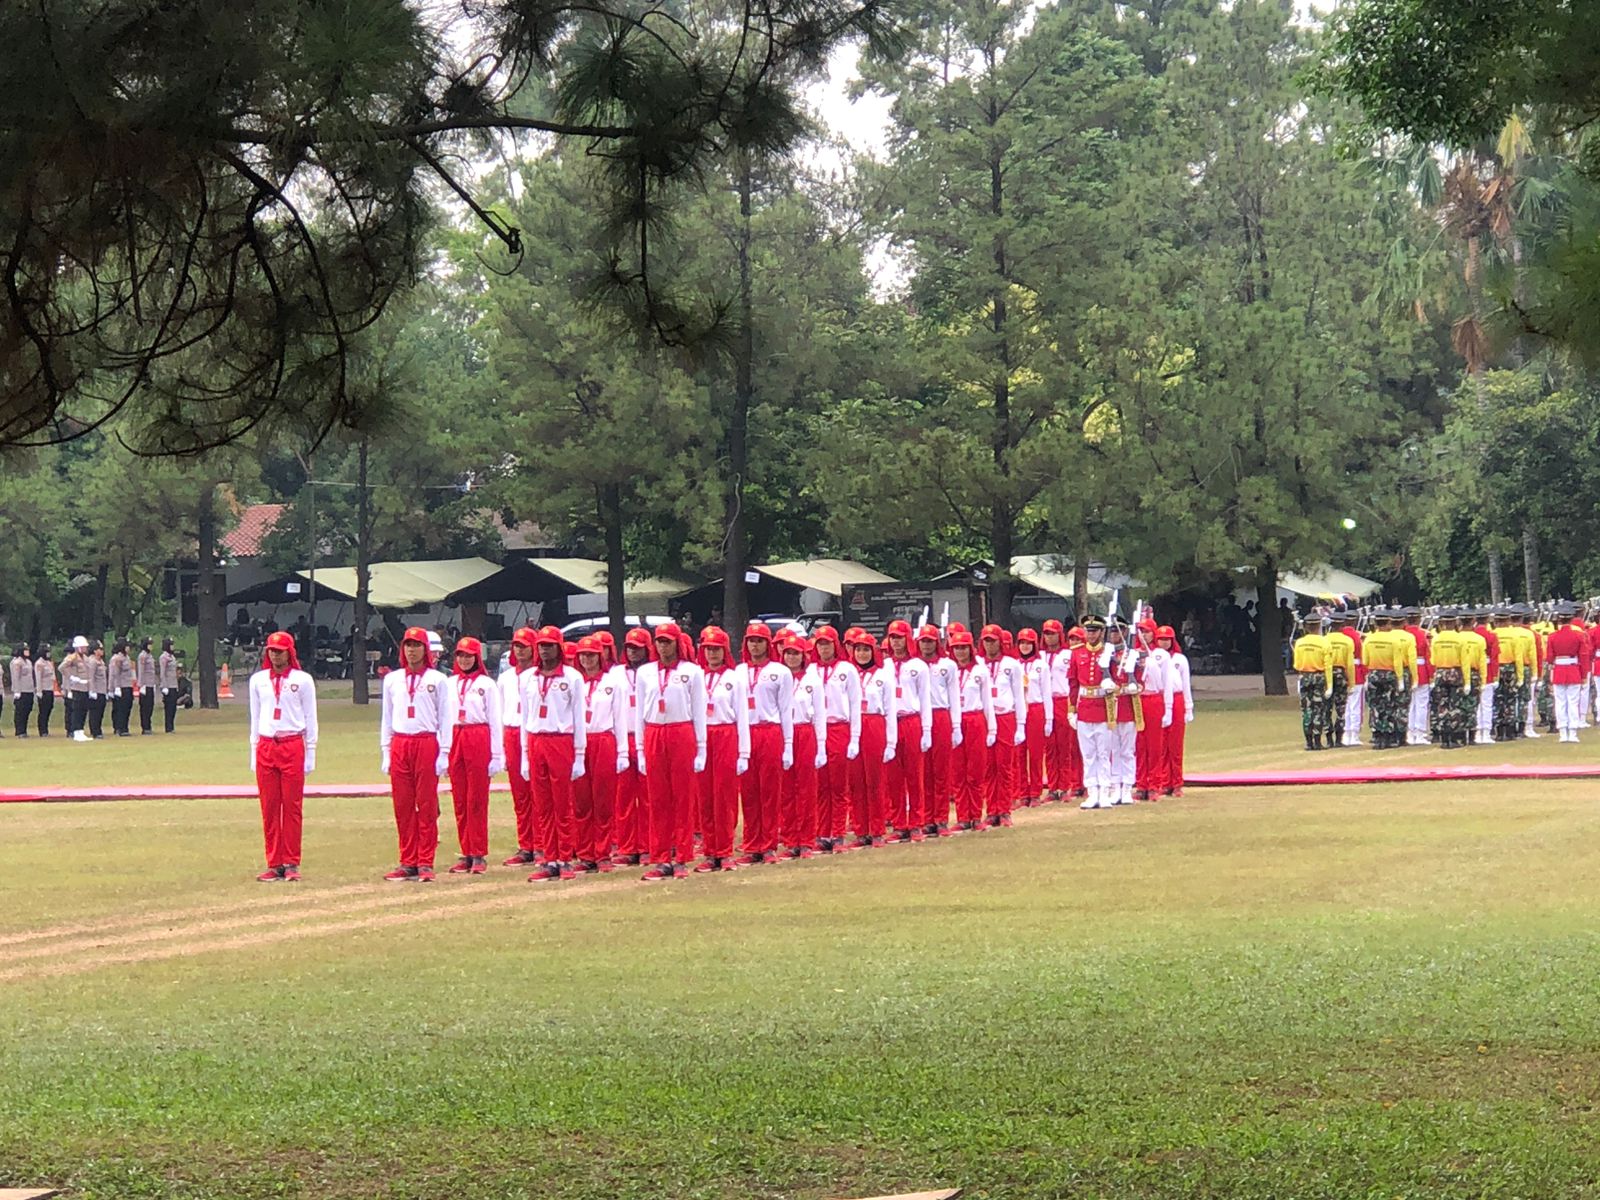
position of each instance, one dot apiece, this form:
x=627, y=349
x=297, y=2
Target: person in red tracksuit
x=477, y=753
x=1039, y=728
x=1063, y=762
x=594, y=796
x=727, y=748
x=809, y=719
x=630, y=820
x=1152, y=667
x=841, y=701
x=554, y=751
x=1182, y=708
x=869, y=770
x=529, y=851
x=1009, y=707
x=975, y=694
x=938, y=783
x=671, y=730
x=283, y=751
x=415, y=741
x=770, y=702
x=913, y=692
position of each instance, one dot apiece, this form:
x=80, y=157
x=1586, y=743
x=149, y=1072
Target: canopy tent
x=1053, y=573
x=1325, y=582
x=542, y=579
x=394, y=585
x=789, y=586
x=831, y=575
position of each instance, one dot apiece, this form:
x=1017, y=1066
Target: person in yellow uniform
x=1391, y=658
x=1516, y=660
x=1474, y=665
x=1343, y=648
x=1313, y=664
x=1448, y=725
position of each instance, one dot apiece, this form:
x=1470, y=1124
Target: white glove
x=888, y=754
x=989, y=741
x=642, y=771
x=1072, y=719
x=1166, y=719
x=441, y=768
x=1188, y=717
x=94, y=695
x=622, y=763
x=822, y=759
x=496, y=765
x=577, y=768
x=252, y=758
x=956, y=736
x=927, y=741
x=163, y=691
x=788, y=758
x=311, y=760
x=743, y=765
x=699, y=761
x=385, y=767
x=850, y=751
x=1131, y=689
x=527, y=767
x=1020, y=736
x=1050, y=729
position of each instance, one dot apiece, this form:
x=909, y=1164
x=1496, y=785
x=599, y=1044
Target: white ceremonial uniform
x=282, y=707
x=413, y=705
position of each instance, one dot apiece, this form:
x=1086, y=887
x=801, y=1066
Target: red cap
x=1027, y=635
x=1166, y=631
x=715, y=635
x=1076, y=634
x=415, y=634
x=961, y=637
x=280, y=640
x=639, y=636
x=1007, y=646
x=830, y=635
x=524, y=637
x=929, y=633
x=669, y=632
x=756, y=629
x=1053, y=626
x=608, y=647
x=899, y=629
x=863, y=638
x=590, y=644
x=797, y=641
x=469, y=645
x=992, y=631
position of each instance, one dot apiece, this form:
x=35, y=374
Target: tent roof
x=1325, y=581
x=550, y=578
x=1053, y=573
x=824, y=574
x=397, y=585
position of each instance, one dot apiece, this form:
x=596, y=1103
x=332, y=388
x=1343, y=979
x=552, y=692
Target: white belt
x=1422, y=662
x=1565, y=661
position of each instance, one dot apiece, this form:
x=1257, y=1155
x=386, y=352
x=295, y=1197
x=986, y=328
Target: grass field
x=1311, y=992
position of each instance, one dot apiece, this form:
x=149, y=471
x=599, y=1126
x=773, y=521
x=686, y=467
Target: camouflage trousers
x=1389, y=710
x=1314, y=710
x=1452, y=714
x=1336, y=706
x=1508, y=706
x=1546, y=707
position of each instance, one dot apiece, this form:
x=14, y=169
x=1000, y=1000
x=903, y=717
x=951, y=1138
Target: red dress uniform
x=1010, y=704
x=629, y=822
x=554, y=751
x=841, y=697
x=1105, y=727
x=938, y=782
x=913, y=707
x=801, y=781
x=1153, y=669
x=1063, y=758
x=869, y=772
x=975, y=694
x=1038, y=729
x=476, y=753
x=671, y=730
x=283, y=748
x=769, y=701
x=511, y=743
x=415, y=738
x=1571, y=658
x=594, y=796
x=727, y=756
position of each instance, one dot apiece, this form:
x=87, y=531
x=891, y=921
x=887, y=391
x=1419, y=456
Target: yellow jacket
x=1446, y=652
x=1312, y=656
x=1517, y=649
x=1344, y=653
x=1392, y=650
x=1474, y=656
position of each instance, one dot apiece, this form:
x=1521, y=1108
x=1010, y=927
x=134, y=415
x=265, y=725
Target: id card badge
x=544, y=711
x=897, y=692
x=661, y=706
x=277, y=714
x=411, y=713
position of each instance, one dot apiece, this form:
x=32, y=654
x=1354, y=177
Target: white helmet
x=80, y=642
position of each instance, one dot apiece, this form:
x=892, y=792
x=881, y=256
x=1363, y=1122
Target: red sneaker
x=918, y=836
x=479, y=866
x=461, y=866
x=1175, y=792
x=522, y=858
x=425, y=873
x=947, y=831
x=604, y=866
x=656, y=874
x=805, y=852
x=680, y=870
x=1005, y=821
x=625, y=860
x=748, y=860
x=270, y=875
x=546, y=873
x=401, y=875
x=566, y=871
x=706, y=865
x=291, y=873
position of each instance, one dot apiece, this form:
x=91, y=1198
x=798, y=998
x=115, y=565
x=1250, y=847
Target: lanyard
x=412, y=680
x=588, y=699
x=545, y=683
x=712, y=679
x=277, y=695
x=965, y=672
x=461, y=695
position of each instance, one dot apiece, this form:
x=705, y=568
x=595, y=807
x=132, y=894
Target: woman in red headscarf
x=727, y=748
x=672, y=729
x=1010, y=708
x=975, y=694
x=629, y=821
x=414, y=739
x=529, y=847
x=869, y=771
x=841, y=700
x=476, y=753
x=594, y=796
x=283, y=751
x=770, y=701
x=798, y=823
x=1040, y=724
x=1182, y=708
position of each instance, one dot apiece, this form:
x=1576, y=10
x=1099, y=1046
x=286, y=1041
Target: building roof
x=1323, y=582
x=824, y=574
x=394, y=585
x=256, y=521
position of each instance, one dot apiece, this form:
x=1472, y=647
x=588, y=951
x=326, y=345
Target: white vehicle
x=574, y=630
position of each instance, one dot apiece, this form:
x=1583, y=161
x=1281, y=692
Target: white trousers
x=1486, y=708
x=1417, y=722
x=1568, y=705
x=1355, y=707
x=1533, y=703
x=1107, y=754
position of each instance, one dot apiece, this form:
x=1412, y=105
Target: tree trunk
x=735, y=611
x=1497, y=586
x=616, y=567
x=1530, y=563
x=1269, y=630
x=1080, y=583
x=358, y=644
x=1002, y=531
x=208, y=594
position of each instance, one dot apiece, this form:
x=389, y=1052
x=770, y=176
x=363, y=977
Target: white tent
x=1320, y=582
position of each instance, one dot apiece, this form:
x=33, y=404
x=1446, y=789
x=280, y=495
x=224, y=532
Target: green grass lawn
x=1311, y=992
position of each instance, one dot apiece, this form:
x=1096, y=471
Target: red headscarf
x=639, y=636
x=1166, y=631
x=996, y=634
x=670, y=630
x=831, y=635
x=862, y=638
x=281, y=641
x=713, y=635
x=1029, y=636
x=416, y=634
x=756, y=629
x=474, y=647
x=525, y=637
x=800, y=642
x=608, y=649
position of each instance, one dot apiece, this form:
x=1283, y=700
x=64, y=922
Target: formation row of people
x=681, y=757
x=132, y=679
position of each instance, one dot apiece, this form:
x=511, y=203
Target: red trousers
x=938, y=781
x=1063, y=755
x=469, y=787
x=907, y=800
x=1000, y=783
x=799, y=819
x=1030, y=781
x=833, y=785
x=719, y=790
x=628, y=821
x=415, y=788
x=761, y=789
x=971, y=766
x=550, y=757
x=674, y=793
x=869, y=776
x=281, y=783
x=595, y=796
x=1174, y=743
x=1150, y=747
x=521, y=793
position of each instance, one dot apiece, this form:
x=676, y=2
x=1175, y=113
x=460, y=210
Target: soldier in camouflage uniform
x=1450, y=715
x=1312, y=664
x=1506, y=723
x=1388, y=655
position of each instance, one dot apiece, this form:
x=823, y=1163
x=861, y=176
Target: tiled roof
x=255, y=522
